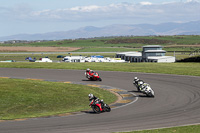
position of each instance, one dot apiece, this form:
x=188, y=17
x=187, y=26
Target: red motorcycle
x=98, y=107
x=94, y=76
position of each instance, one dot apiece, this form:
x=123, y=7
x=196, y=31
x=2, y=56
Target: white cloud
x=137, y=13
x=145, y=3
x=85, y=8
x=192, y=1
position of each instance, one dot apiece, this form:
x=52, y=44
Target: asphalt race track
x=176, y=102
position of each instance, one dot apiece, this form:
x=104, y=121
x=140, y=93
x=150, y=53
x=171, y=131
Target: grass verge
x=164, y=68
x=183, y=129
x=29, y=98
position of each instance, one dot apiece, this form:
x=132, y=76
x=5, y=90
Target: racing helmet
x=88, y=69
x=90, y=96
x=136, y=79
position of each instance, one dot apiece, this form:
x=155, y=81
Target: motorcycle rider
x=135, y=81
x=87, y=70
x=138, y=82
x=143, y=86
x=94, y=98
x=89, y=73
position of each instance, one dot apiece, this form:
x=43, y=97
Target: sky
x=42, y=16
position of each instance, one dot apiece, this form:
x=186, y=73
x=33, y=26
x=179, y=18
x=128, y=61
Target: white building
x=130, y=56
x=150, y=53
x=161, y=59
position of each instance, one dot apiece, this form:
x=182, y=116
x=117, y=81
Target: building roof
x=125, y=53
x=155, y=51
x=134, y=54
x=152, y=46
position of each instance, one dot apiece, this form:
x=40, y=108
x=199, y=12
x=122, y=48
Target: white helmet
x=88, y=69
x=90, y=95
x=136, y=79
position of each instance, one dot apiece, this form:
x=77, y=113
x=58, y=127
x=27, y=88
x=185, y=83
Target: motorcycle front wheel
x=151, y=94
x=107, y=108
x=100, y=79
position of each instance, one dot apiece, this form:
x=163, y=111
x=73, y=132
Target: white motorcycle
x=146, y=89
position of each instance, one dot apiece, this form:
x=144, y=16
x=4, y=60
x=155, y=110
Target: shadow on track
x=144, y=96
x=88, y=80
x=134, y=91
x=89, y=112
x=139, y=94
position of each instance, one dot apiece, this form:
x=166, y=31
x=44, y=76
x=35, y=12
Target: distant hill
x=189, y=28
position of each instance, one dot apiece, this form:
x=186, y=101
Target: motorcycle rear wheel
x=96, y=109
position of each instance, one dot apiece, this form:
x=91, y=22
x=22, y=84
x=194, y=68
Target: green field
x=29, y=98
x=170, y=43
x=108, y=49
